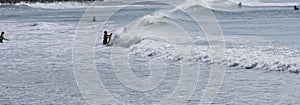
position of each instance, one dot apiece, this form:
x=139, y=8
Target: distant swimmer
x=296, y=8
x=106, y=38
x=94, y=19
x=2, y=37
x=240, y=5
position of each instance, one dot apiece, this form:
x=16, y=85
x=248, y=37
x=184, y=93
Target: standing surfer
x=106, y=37
x=2, y=37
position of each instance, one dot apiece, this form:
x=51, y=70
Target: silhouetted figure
x=296, y=8
x=240, y=5
x=106, y=38
x=94, y=19
x=2, y=37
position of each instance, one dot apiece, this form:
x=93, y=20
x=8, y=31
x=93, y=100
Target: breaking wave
x=259, y=58
x=131, y=34
x=136, y=39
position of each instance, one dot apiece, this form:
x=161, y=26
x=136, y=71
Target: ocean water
x=55, y=53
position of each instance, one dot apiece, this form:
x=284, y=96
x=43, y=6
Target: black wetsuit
x=240, y=5
x=1, y=39
x=106, y=38
x=296, y=8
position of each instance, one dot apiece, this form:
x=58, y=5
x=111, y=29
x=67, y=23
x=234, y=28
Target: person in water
x=106, y=37
x=240, y=5
x=2, y=37
x=296, y=8
x=94, y=19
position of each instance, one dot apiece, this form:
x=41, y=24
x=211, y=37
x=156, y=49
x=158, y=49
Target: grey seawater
x=36, y=65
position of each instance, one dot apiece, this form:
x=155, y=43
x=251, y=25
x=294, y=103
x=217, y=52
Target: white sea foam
x=242, y=57
x=253, y=58
x=56, y=5
x=151, y=48
x=69, y=5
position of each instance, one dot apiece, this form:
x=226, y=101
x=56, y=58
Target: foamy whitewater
x=262, y=52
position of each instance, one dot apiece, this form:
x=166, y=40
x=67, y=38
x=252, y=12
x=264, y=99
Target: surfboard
x=109, y=42
x=5, y=39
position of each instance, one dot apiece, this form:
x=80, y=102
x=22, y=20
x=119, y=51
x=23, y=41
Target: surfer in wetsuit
x=106, y=37
x=94, y=19
x=240, y=5
x=2, y=37
x=296, y=8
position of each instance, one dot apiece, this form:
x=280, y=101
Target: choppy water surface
x=261, y=56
